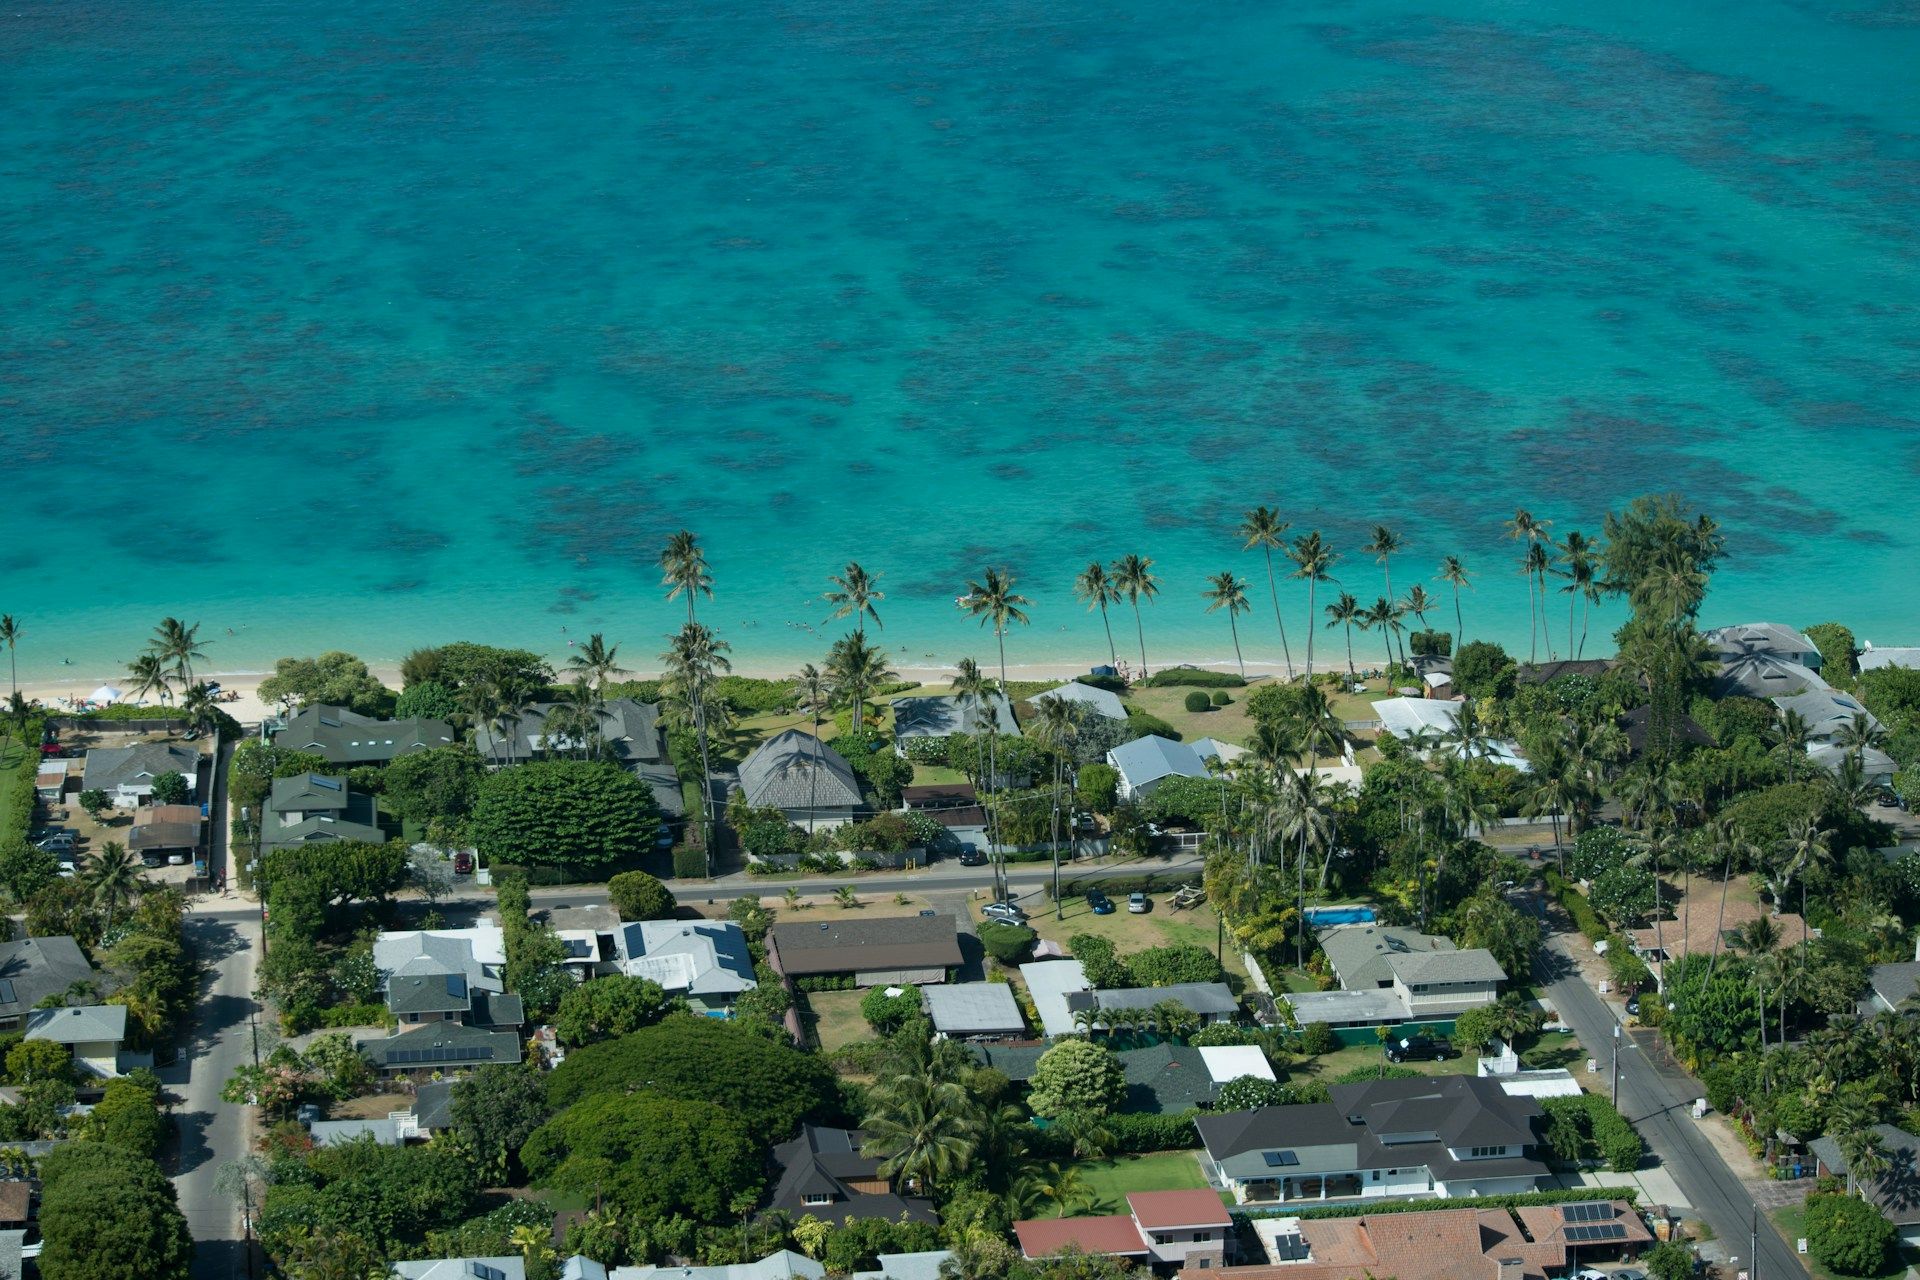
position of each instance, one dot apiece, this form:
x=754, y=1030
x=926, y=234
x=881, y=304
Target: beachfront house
x=1145, y=763
x=1421, y=723
x=313, y=808
x=628, y=732
x=804, y=778
x=126, y=774
x=1830, y=715
x=1872, y=658
x=1438, y=1136
x=340, y=736
x=704, y=962
x=1728, y=644
x=1091, y=700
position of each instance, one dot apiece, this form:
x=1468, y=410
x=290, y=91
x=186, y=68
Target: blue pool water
x=376, y=324
x=1339, y=915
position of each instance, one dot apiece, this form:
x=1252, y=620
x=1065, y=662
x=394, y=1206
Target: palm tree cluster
x=169, y=657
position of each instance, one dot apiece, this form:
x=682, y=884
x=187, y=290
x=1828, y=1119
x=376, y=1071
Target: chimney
x=1510, y=1269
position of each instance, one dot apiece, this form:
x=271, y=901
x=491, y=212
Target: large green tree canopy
x=767, y=1082
x=579, y=813
x=105, y=1211
x=654, y=1156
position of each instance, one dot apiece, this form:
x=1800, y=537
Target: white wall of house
x=1177, y=1244
x=1432, y=999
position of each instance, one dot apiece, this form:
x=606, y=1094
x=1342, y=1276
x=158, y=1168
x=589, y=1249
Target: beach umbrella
x=105, y=693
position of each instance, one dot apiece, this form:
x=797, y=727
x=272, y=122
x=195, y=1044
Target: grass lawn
x=11, y=756
x=1791, y=1222
x=1111, y=1180
x=836, y=1019
x=1163, y=926
x=1554, y=1049
x=1230, y=723
x=1330, y=1066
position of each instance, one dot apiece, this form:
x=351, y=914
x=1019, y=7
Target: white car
x=1139, y=904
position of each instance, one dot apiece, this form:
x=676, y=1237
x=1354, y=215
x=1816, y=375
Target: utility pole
x=1753, y=1248
x=1616, y=1066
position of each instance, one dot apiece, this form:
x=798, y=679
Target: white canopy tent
x=105, y=693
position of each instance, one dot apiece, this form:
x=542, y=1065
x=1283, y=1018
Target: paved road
x=1659, y=1107
x=226, y=935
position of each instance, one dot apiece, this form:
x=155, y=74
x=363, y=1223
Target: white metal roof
x=1231, y=1061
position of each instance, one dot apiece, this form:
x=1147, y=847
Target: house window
x=1481, y=1153
x=816, y=1198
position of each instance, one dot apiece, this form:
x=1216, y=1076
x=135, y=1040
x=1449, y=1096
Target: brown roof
x=1163, y=1209
x=885, y=942
x=1117, y=1234
x=938, y=795
x=1703, y=920
x=16, y=1201
x=164, y=835
x=165, y=813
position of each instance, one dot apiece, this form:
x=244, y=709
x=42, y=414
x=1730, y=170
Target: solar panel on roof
x=485, y=1272
x=1281, y=1159
x=1596, y=1231
x=1290, y=1249
x=1587, y=1211
x=6, y=991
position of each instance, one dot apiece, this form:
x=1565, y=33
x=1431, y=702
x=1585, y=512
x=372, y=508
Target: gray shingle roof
x=433, y=1105
x=79, y=1024
x=1200, y=997
x=1763, y=637
x=430, y=993
x=34, y=968
x=698, y=957
x=947, y=714
x=1153, y=757
x=1101, y=702
x=821, y=1161
x=1359, y=953
x=340, y=736
x=1473, y=965
x=1763, y=675
x=1897, y=1191
x=630, y=728
x=848, y=946
x=1896, y=983
x=308, y=793
x=440, y=1045
x=781, y=773
x=110, y=767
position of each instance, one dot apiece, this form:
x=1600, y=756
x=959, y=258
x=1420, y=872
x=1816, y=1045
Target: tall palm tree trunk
x=1236, y=644
x=1311, y=615
x=1533, y=625
x=1586, y=616
x=1274, y=592
x=1459, y=622
x=1000, y=634
x=1113, y=654
x=1141, y=630
x=1350, y=676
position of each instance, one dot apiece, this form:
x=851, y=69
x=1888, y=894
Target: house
x=1208, y=1002
x=1426, y=720
x=1708, y=927
x=945, y=715
x=1215, y=749
x=974, y=1010
x=705, y=962
x=93, y=1031
x=802, y=777
x=50, y=780
x=313, y=808
x=1827, y=712
x=1544, y=672
x=630, y=734
x=936, y=797
x=440, y=1046
x=33, y=969
x=883, y=951
x=1897, y=1191
x=340, y=736
x=126, y=774
x=1439, y=1136
x=1873, y=659
x=433, y=1107
x=1225, y=1062
x=1876, y=766
x=1050, y=983
x=1769, y=638
x=447, y=975
x=1404, y=974
x=1530, y=1243
x=822, y=1172
x=165, y=828
x=501, y=1268
x=784, y=1265
x=1093, y=701
x=1893, y=987
x=16, y=1204
x=1763, y=675
x=1145, y=763
x=1635, y=723
x=385, y=1132
x=1159, y=1227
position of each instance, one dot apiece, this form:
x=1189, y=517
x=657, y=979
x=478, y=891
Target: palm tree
x=1860, y=734
x=693, y=659
x=1344, y=612
x=1524, y=528
x=1262, y=527
x=857, y=669
x=1057, y=726
x=1313, y=560
x=1536, y=564
x=1383, y=547
x=597, y=662
x=1577, y=554
x=974, y=688
x=148, y=675
x=813, y=694
x=922, y=1131
x=10, y=633
x=683, y=569
x=992, y=599
x=1224, y=591
x=855, y=595
x=177, y=643
x=1381, y=616
x=1134, y=576
x=1095, y=588
x=1454, y=574
x=114, y=876
x=1791, y=736
x=1416, y=602
x=573, y=719
x=197, y=702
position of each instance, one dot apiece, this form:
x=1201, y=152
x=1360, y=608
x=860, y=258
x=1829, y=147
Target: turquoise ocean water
x=375, y=324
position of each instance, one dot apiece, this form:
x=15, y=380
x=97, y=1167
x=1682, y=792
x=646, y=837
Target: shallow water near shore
x=381, y=324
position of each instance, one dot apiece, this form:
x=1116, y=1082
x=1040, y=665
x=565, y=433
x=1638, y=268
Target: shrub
x=1248, y=1093
x=689, y=863
x=1483, y=670
x=1576, y=905
x=1587, y=1126
x=1595, y=850
x=1076, y=1077
x=1848, y=1235
x=1195, y=677
x=1006, y=943
x=886, y=1013
x=1317, y=1038
x=1171, y=965
x=1137, y=1134
x=1144, y=724
x=1197, y=701
x=639, y=896
x=751, y=696
x=1838, y=652
x=1430, y=643
x=1221, y=698
x=1097, y=787
x=1103, y=966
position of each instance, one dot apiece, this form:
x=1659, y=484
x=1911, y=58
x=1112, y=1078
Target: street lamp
x=1616, y=1066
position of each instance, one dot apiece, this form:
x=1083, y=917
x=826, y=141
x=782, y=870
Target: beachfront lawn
x=1161, y=927
x=1111, y=1180
x=1791, y=1222
x=836, y=1020
x=1230, y=723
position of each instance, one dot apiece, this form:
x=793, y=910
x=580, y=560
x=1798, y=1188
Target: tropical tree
x=1058, y=724
x=1417, y=602
x=1536, y=564
x=1098, y=591
x=1454, y=574
x=1383, y=617
x=1224, y=591
x=10, y=633
x=855, y=594
x=148, y=674
x=1344, y=612
x=684, y=571
x=1134, y=576
x=1313, y=560
x=974, y=688
x=922, y=1130
x=813, y=693
x=993, y=600
x=857, y=669
x=1262, y=527
x=1383, y=546
x=178, y=645
x=692, y=661
x=1582, y=571
x=113, y=875
x=1791, y=737
x=199, y=706
x=596, y=662
x=1525, y=528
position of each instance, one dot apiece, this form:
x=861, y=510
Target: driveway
x=225, y=932
x=1656, y=1096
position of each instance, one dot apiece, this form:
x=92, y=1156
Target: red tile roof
x=1163, y=1209
x=1042, y=1236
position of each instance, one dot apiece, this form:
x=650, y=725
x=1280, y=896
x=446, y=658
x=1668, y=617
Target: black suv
x=1421, y=1049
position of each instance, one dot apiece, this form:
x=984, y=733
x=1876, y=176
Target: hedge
x=17, y=821
x=1373, y=1208
x=1153, y=882
x=1194, y=677
x=1602, y=1131
x=1135, y=1133
x=1577, y=906
x=689, y=863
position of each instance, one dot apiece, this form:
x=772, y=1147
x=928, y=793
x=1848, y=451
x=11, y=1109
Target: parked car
x=1633, y=1006
x=1004, y=913
x=1139, y=903
x=152, y=860
x=67, y=868
x=973, y=858
x=1628, y=1273
x=1421, y=1049
x=463, y=863
x=1099, y=903
x=664, y=840
x=58, y=842
x=176, y=859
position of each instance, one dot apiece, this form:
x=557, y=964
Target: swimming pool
x=1339, y=915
